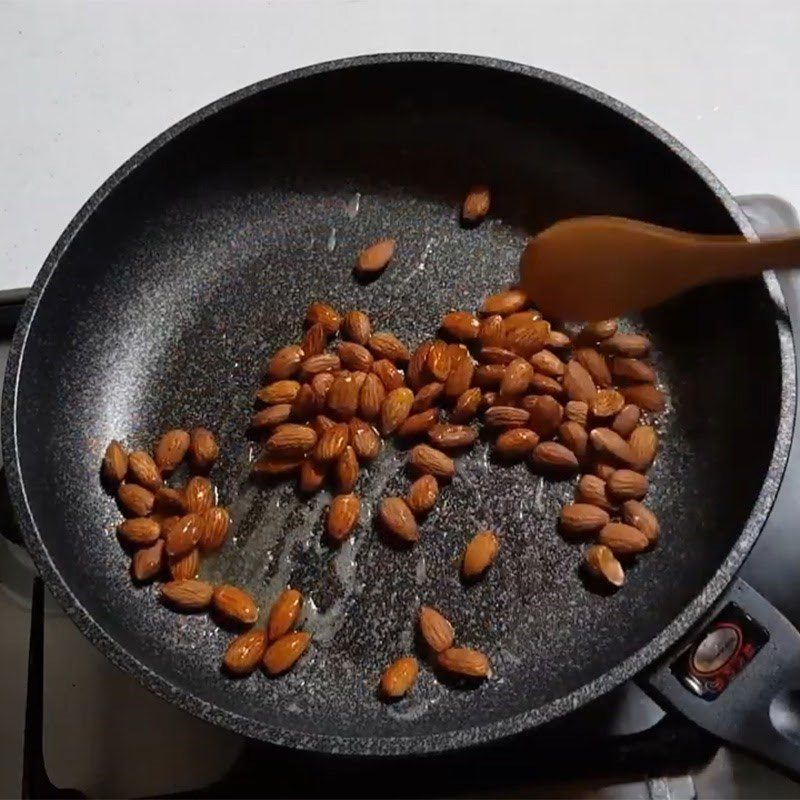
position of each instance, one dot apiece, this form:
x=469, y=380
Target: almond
x=506, y=417
x=139, y=530
x=466, y=406
x=595, y=364
x=544, y=384
x=332, y=443
x=185, y=566
x=479, y=553
x=447, y=435
x=558, y=340
x=592, y=489
x=644, y=443
x=516, y=378
x=505, y=303
x=426, y=460
x=147, y=562
x=607, y=403
x=355, y=356
x=554, y=457
x=135, y=500
x=641, y=517
x=611, y=446
x=460, y=377
x=321, y=384
x=270, y=416
x=346, y=470
x=436, y=630
x=578, y=382
x=496, y=355
x=521, y=319
x=422, y=495
x=365, y=439
x=596, y=331
x=375, y=257
x=628, y=345
x=528, y=339
x=214, y=524
x=397, y=519
x=576, y=411
x=475, y=205
x=644, y=395
x=516, y=443
x=461, y=325
x=438, y=360
x=170, y=501
x=274, y=467
x=622, y=539
x=417, y=372
x=625, y=484
x=182, y=534
x=171, y=449
x=395, y=409
x=426, y=397
x=417, y=424
x=371, y=397
x=321, y=423
x=278, y=392
x=306, y=404
x=398, y=678
x=603, y=470
x=284, y=613
x=387, y=346
x=312, y=475
x=390, y=376
x=245, y=652
x=284, y=652
x=342, y=516
x=547, y=363
x=343, y=396
x=325, y=316
x=463, y=661
x=311, y=366
x=356, y=327
x=187, y=594
x=491, y=332
x=143, y=470
x=489, y=399
x=631, y=370
x=490, y=376
x=601, y=563
x=545, y=414
x=285, y=363
x=291, y=440
x=115, y=463
x=199, y=494
x=314, y=340
x=580, y=519
x=235, y=604
x=626, y=421
x=575, y=437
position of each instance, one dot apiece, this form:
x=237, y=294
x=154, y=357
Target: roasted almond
x=245, y=652
x=475, y=205
x=321, y=423
x=592, y=489
x=214, y=524
x=505, y=303
x=170, y=501
x=515, y=443
x=558, y=340
x=426, y=460
x=438, y=360
x=577, y=411
x=628, y=345
x=460, y=377
x=282, y=654
x=578, y=382
x=291, y=440
x=554, y=457
x=272, y=467
x=600, y=562
x=314, y=341
x=147, y=562
x=602, y=469
x=626, y=421
x=521, y=319
x=321, y=384
x=139, y=530
x=417, y=371
x=371, y=397
x=631, y=370
x=325, y=315
x=374, y=258
x=516, y=378
x=397, y=518
x=611, y=446
x=182, y=534
x=314, y=365
x=390, y=376
x=270, y=416
x=463, y=661
x=466, y=406
x=644, y=395
x=435, y=629
x=284, y=613
x=356, y=327
x=644, y=443
x=306, y=404
x=395, y=409
x=279, y=392
x=199, y=494
x=387, y=346
x=365, y=439
x=489, y=376
x=528, y=339
x=545, y=414
x=496, y=355
x=312, y=475
x=575, y=437
x=641, y=517
x=143, y=470
x=506, y=417
x=418, y=424
x=461, y=325
x=544, y=384
x=170, y=450
x=625, y=484
x=203, y=449
x=342, y=516
x=479, y=553
x=491, y=332
x=343, y=396
x=422, y=494
x=581, y=519
x=332, y=442
x=547, y=363
x=185, y=566
x=115, y=463
x=136, y=501
x=595, y=364
x=285, y=363
x=594, y=332
x=187, y=594
x=398, y=678
x=355, y=356
x=346, y=470
x=446, y=435
x=622, y=539
x=427, y=396
x=607, y=403
x=234, y=604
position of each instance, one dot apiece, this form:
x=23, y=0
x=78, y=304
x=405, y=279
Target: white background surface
x=84, y=84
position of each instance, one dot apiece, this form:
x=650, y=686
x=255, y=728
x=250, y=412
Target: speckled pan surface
x=162, y=301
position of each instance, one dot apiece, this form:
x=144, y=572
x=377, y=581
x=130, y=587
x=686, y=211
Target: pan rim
x=450, y=739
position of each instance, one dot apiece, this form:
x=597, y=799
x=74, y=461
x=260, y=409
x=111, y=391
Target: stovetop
x=104, y=735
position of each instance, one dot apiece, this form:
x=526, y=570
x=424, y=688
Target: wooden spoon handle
x=722, y=257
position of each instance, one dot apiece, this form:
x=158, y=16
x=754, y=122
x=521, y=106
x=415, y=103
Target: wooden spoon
x=593, y=268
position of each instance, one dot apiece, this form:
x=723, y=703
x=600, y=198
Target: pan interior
x=171, y=297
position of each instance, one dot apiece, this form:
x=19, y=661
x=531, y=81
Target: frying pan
x=163, y=299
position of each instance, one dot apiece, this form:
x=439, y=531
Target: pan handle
x=739, y=677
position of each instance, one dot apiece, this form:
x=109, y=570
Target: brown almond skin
x=496, y=355
x=603, y=469
x=385, y=345
x=625, y=484
x=342, y=517
x=554, y=457
x=332, y=442
x=463, y=661
x=270, y=416
x=438, y=360
x=356, y=327
x=601, y=563
x=626, y=421
x=544, y=384
x=276, y=467
x=607, y=403
x=594, y=332
x=426, y=396
x=282, y=654
x=170, y=501
x=182, y=535
x=548, y=363
x=422, y=495
x=140, y=530
x=578, y=383
x=417, y=373
x=466, y=406
x=364, y=438
x=199, y=494
x=646, y=396
x=506, y=417
x=147, y=562
x=291, y=440
x=312, y=475
x=581, y=519
x=592, y=489
x=203, y=449
x=325, y=315
x=390, y=376
x=170, y=450
x=640, y=516
x=136, y=501
x=346, y=470
x=505, y=303
x=115, y=463
x=525, y=340
x=545, y=414
x=632, y=370
x=285, y=363
x=284, y=613
x=577, y=411
x=395, y=409
x=306, y=404
x=436, y=629
x=187, y=594
x=461, y=325
x=314, y=340
x=278, y=392
x=491, y=332
x=311, y=366
x=479, y=553
x=321, y=384
x=595, y=364
x=515, y=443
x=610, y=445
x=622, y=539
x=628, y=345
x=235, y=604
x=516, y=378
x=371, y=397
x=418, y=424
x=343, y=396
x=644, y=443
x=355, y=356
x=489, y=376
x=398, y=678
x=245, y=652
x=575, y=437
x=447, y=435
x=426, y=460
x=376, y=257
x=143, y=470
x=460, y=377
x=559, y=340
x=475, y=205
x=214, y=525
x=185, y=566
x=397, y=519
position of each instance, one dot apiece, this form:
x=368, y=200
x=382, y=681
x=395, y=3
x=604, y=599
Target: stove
x=85, y=729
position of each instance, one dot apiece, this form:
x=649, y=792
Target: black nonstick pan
x=162, y=301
